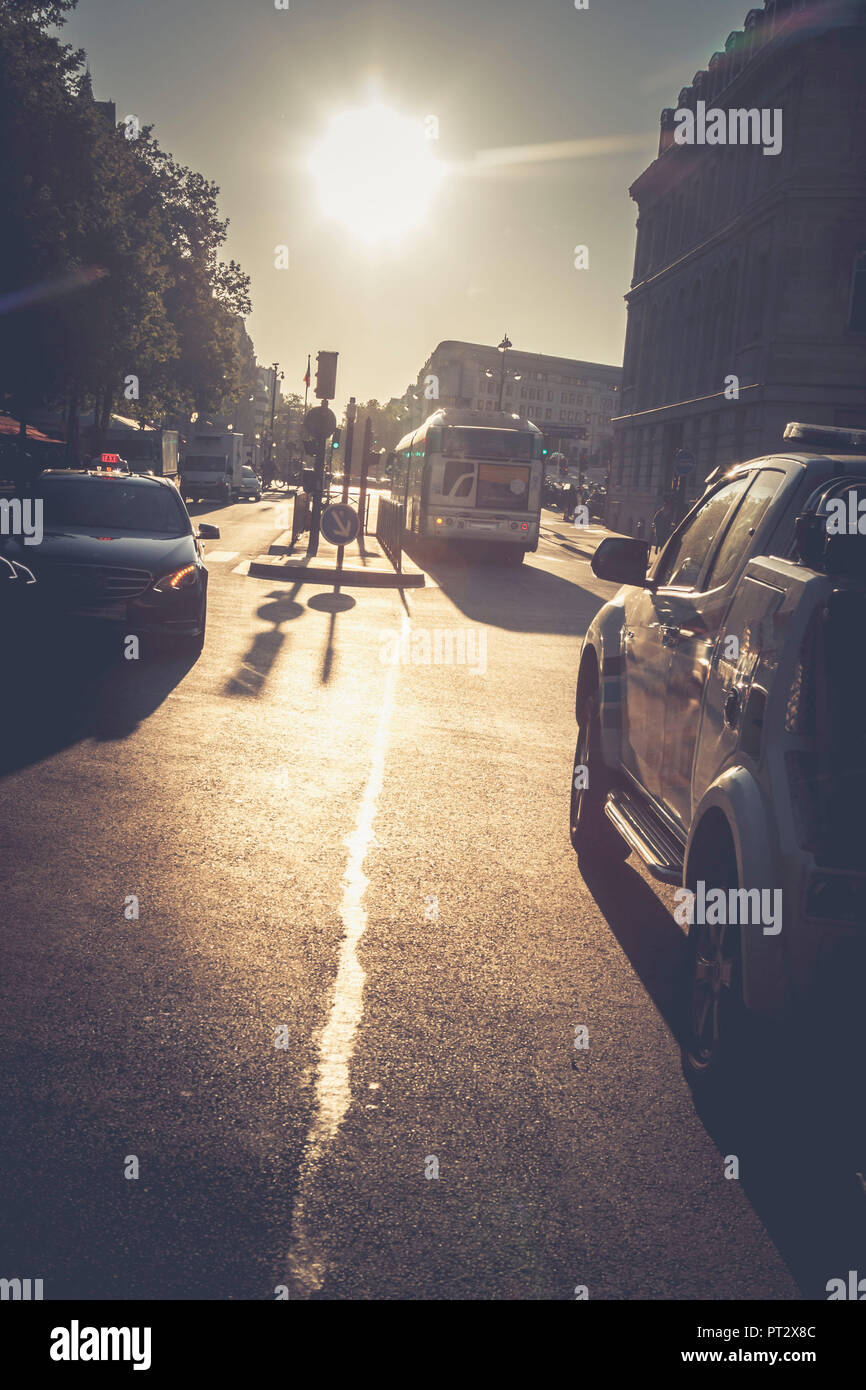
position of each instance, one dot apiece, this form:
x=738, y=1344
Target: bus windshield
x=477, y=442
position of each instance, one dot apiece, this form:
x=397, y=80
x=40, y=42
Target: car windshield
x=112, y=503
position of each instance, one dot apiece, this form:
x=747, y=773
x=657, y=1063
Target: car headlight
x=184, y=578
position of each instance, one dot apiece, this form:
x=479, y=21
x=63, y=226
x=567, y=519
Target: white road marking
x=217, y=556
x=337, y=1040
x=242, y=568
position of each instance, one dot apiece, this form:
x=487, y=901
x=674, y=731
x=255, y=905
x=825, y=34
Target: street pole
x=351, y=411
x=347, y=468
x=503, y=348
x=319, y=482
x=365, y=464
x=275, y=368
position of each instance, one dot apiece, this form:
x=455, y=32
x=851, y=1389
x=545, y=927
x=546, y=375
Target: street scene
x=432, y=814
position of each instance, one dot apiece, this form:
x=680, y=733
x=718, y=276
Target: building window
x=857, y=316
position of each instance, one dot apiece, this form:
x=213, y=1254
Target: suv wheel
x=591, y=831
x=712, y=1012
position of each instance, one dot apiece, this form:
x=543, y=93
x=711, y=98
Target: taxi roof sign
x=109, y=458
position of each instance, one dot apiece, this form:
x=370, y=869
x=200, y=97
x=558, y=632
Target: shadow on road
x=63, y=686
x=258, y=661
x=794, y=1114
x=522, y=598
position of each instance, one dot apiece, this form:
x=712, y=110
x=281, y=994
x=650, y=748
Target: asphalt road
x=362, y=950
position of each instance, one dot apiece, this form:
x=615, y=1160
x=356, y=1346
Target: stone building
x=748, y=303
x=572, y=402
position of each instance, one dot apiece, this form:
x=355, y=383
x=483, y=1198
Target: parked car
x=250, y=485
x=721, y=734
x=116, y=548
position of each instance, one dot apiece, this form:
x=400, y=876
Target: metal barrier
x=389, y=531
x=300, y=514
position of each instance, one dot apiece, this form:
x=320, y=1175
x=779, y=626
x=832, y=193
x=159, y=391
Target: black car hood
x=158, y=554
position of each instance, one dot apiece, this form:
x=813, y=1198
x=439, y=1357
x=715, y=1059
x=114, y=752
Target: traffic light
x=326, y=375
x=336, y=439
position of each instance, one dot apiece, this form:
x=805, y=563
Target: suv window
x=744, y=525
x=683, y=558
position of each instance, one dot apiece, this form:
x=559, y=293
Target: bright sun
x=375, y=172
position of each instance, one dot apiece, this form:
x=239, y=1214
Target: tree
x=37, y=177
x=205, y=296
x=111, y=249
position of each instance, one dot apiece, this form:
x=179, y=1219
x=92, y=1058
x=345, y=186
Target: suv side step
x=643, y=832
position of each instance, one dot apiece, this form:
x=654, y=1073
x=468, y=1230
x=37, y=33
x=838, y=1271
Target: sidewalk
x=367, y=567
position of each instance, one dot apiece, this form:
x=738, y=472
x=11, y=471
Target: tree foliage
x=111, y=261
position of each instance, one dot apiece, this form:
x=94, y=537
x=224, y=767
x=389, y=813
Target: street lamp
x=503, y=348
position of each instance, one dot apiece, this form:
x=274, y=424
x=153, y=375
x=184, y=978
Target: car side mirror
x=207, y=532
x=621, y=560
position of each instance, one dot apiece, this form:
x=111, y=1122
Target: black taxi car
x=114, y=548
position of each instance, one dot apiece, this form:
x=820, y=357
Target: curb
x=296, y=570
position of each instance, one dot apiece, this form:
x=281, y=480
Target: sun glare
x=375, y=172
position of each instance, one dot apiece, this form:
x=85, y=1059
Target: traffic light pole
x=326, y=377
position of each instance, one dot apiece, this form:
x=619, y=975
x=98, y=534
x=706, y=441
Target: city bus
x=472, y=479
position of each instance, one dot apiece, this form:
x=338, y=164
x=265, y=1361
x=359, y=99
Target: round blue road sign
x=684, y=462
x=340, y=524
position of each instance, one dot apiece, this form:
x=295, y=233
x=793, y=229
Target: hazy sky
x=242, y=91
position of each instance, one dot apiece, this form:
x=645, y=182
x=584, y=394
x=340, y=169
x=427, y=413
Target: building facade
x=747, y=308
x=572, y=402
